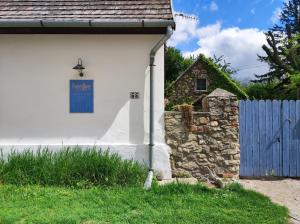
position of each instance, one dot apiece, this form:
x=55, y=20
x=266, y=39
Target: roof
x=106, y=10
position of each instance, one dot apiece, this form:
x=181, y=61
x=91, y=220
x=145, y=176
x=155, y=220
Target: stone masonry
x=184, y=89
x=210, y=144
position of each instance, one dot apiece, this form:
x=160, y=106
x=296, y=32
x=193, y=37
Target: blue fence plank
x=256, y=139
x=249, y=139
x=286, y=139
x=262, y=138
x=269, y=137
x=293, y=140
x=242, y=133
x=277, y=138
x=298, y=136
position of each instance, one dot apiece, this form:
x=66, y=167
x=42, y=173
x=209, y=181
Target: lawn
x=168, y=204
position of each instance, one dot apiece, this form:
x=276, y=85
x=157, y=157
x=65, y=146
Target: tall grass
x=70, y=167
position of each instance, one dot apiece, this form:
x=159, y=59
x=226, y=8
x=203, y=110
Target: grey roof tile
x=86, y=9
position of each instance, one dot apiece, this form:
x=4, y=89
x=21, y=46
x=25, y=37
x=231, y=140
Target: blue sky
x=233, y=28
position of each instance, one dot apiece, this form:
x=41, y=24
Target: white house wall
x=35, y=71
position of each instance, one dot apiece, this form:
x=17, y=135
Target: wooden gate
x=270, y=138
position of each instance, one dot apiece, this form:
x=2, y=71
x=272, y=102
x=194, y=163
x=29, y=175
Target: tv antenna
x=184, y=16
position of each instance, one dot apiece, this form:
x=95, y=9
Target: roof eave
x=15, y=23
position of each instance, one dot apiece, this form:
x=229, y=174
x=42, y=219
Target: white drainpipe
x=148, y=182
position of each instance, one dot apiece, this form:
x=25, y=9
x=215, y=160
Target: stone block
x=189, y=165
x=237, y=157
x=215, y=129
x=202, y=142
x=218, y=135
x=234, y=103
x=204, y=120
x=233, y=118
x=214, y=124
x=232, y=162
x=230, y=152
x=192, y=137
x=202, y=156
x=215, y=117
x=227, y=109
x=228, y=175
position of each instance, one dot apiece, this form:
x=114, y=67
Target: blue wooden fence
x=270, y=138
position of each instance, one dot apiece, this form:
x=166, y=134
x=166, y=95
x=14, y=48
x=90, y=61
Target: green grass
x=170, y=204
x=72, y=168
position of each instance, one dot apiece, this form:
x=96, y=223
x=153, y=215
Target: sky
x=230, y=28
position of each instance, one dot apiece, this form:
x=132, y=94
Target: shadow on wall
x=136, y=122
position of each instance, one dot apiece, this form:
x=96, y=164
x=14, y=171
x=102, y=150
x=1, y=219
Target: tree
x=263, y=91
x=175, y=64
x=280, y=40
x=224, y=65
x=285, y=87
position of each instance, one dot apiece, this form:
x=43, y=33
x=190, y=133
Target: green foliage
x=170, y=106
x=71, y=168
x=295, y=81
x=290, y=88
x=173, y=106
x=175, y=203
x=282, y=48
x=274, y=90
x=220, y=79
x=175, y=64
x=262, y=91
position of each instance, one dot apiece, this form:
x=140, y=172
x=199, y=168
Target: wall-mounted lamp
x=79, y=67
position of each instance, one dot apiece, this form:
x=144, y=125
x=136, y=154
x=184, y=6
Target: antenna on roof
x=185, y=16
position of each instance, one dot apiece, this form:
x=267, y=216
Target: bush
x=70, y=167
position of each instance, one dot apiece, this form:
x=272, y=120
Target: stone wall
x=210, y=144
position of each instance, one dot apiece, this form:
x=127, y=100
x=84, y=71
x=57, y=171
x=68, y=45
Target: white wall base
x=140, y=153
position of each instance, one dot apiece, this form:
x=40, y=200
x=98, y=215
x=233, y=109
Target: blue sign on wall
x=81, y=96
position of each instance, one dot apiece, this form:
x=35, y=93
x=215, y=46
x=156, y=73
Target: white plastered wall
x=35, y=71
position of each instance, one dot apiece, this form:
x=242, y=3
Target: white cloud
x=186, y=29
x=276, y=15
x=253, y=11
x=239, y=46
x=213, y=6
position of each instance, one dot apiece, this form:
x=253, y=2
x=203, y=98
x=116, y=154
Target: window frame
x=206, y=85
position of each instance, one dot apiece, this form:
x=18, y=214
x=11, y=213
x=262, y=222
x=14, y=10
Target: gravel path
x=283, y=192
